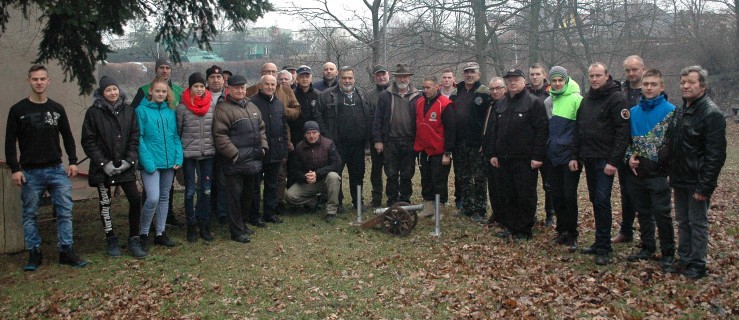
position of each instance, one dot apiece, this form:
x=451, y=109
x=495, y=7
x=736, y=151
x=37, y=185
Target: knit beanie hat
x=558, y=71
x=105, y=82
x=311, y=126
x=196, y=77
x=162, y=62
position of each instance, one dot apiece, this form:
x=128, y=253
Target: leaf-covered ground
x=306, y=269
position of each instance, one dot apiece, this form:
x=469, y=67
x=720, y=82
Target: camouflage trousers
x=473, y=179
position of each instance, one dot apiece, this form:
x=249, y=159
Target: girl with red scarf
x=194, y=123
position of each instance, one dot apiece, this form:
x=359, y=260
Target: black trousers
x=270, y=176
x=376, y=174
x=400, y=166
x=434, y=177
x=518, y=186
x=239, y=195
x=352, y=158
x=628, y=213
x=563, y=184
x=134, y=207
x=651, y=199
x=548, y=205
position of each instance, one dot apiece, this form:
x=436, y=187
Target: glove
x=125, y=165
x=109, y=168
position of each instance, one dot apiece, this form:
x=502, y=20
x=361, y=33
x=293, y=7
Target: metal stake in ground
x=359, y=204
x=437, y=217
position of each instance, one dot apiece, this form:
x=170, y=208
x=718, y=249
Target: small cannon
x=399, y=219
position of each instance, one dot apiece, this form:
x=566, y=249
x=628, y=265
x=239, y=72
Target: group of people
x=291, y=137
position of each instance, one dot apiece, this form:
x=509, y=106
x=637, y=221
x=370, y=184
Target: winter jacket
x=602, y=130
x=649, y=122
x=308, y=104
x=110, y=134
x=697, y=146
x=320, y=157
x=373, y=95
x=284, y=94
x=386, y=103
x=196, y=133
x=239, y=135
x=143, y=92
x=321, y=85
x=275, y=126
x=633, y=99
x=470, y=107
x=562, y=109
x=159, y=144
x=519, y=128
x=329, y=118
x=435, y=125
x=541, y=93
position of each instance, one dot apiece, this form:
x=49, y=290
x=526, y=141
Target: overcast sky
x=294, y=23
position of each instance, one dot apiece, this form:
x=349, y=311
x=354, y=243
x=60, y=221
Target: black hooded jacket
x=602, y=127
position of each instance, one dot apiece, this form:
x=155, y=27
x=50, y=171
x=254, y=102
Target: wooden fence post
x=11, y=225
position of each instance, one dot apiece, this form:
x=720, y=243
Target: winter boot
x=163, y=240
x=192, y=233
x=68, y=257
x=144, y=238
x=205, y=232
x=135, y=247
x=34, y=260
x=114, y=250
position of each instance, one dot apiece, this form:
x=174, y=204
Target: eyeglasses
x=497, y=88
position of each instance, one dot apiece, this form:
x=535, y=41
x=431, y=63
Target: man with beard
x=393, y=132
x=344, y=116
x=381, y=79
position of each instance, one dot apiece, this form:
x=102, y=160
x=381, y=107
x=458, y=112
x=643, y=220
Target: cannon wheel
x=399, y=221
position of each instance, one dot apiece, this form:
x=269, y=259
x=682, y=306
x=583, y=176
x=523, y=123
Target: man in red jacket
x=434, y=143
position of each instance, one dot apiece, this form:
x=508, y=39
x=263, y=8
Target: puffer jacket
x=603, y=129
x=109, y=135
x=159, y=144
x=239, y=135
x=470, y=107
x=275, y=126
x=196, y=132
x=697, y=146
x=562, y=106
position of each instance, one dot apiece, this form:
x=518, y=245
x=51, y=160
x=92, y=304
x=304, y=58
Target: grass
x=307, y=269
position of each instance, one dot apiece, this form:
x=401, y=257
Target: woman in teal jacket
x=160, y=154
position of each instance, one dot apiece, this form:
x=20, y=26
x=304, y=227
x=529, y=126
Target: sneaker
x=114, y=250
x=68, y=257
x=134, y=247
x=643, y=254
x=694, y=272
x=163, y=240
x=34, y=260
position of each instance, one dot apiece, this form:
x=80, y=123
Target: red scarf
x=199, y=105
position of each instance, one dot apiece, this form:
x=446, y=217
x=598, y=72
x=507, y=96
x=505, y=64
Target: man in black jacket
x=393, y=132
x=697, y=145
x=601, y=135
x=344, y=116
x=315, y=166
x=517, y=145
x=381, y=78
x=273, y=113
x=307, y=97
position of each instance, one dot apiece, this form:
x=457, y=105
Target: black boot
x=205, y=232
x=114, y=250
x=34, y=260
x=68, y=257
x=163, y=240
x=192, y=233
x=135, y=247
x=144, y=238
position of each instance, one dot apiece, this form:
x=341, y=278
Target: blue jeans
x=199, y=213
x=157, y=186
x=599, y=190
x=55, y=180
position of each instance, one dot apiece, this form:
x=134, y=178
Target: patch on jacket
x=478, y=101
x=625, y=114
x=432, y=117
x=313, y=103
